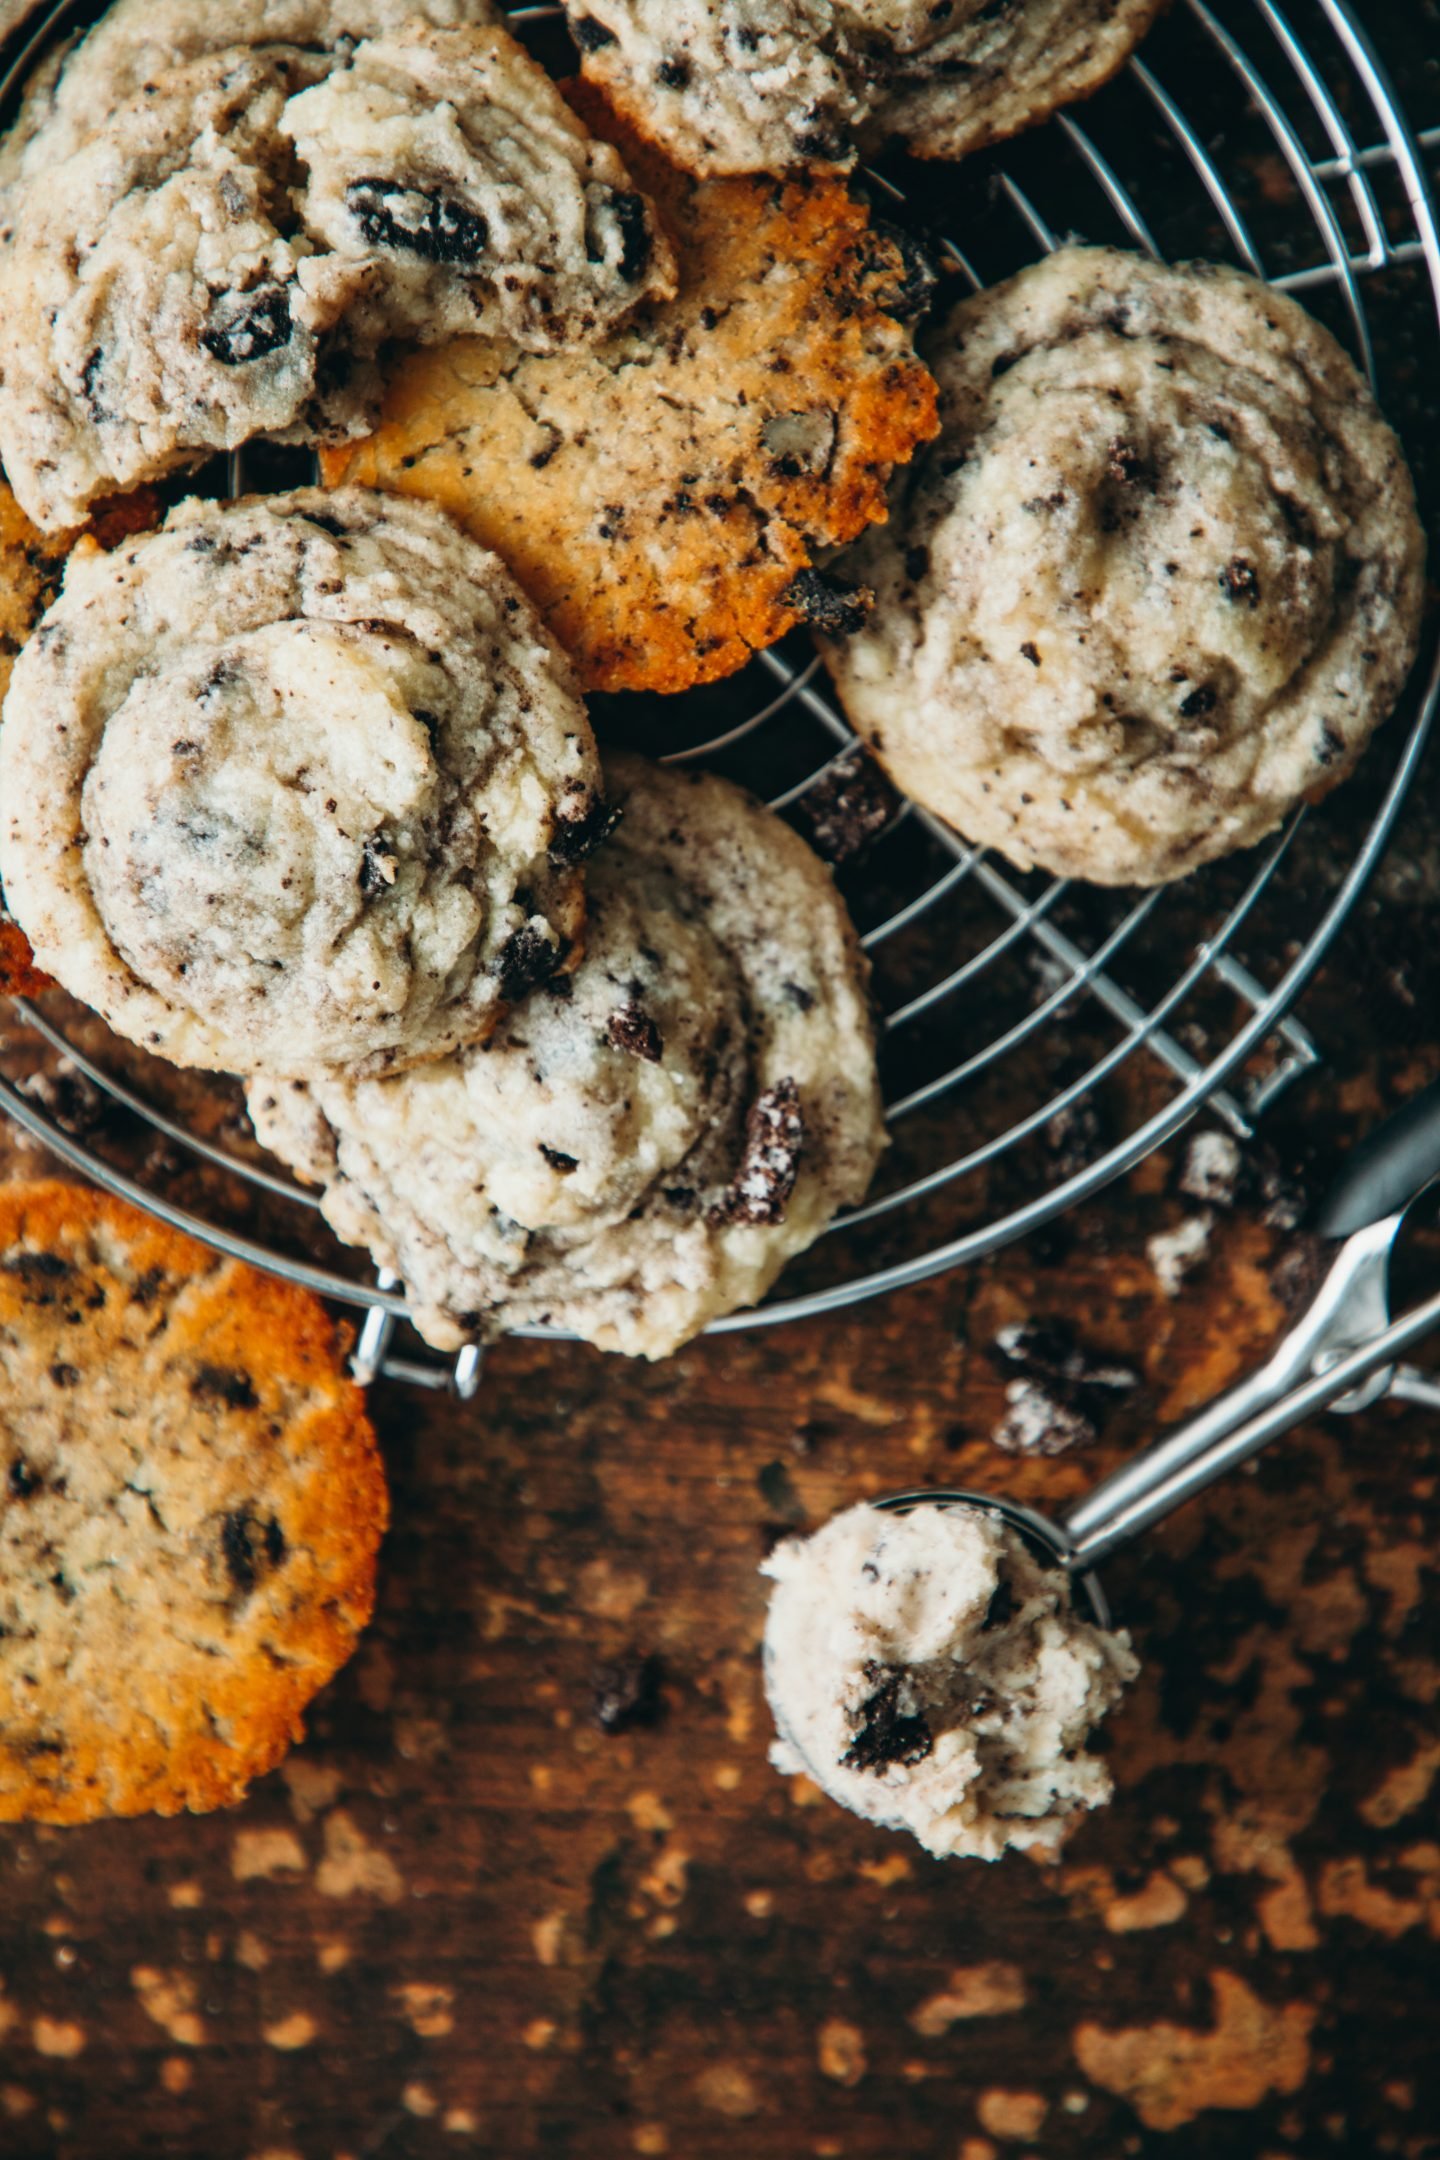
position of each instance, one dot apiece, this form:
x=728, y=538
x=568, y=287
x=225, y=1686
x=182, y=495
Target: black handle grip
x=1387, y=1170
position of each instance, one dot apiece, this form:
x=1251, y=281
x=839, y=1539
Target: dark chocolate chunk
x=673, y=74
x=1200, y=701
x=527, y=959
x=226, y=1384
x=260, y=326
x=887, y=1730
x=577, y=836
x=589, y=35
x=847, y=808
x=22, y=1480
x=632, y=1029
x=249, y=1548
x=828, y=603
x=417, y=221
x=562, y=1164
x=774, y=1136
x=626, y=1693
x=66, y=1376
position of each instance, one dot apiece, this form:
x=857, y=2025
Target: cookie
x=156, y=302
x=1157, y=582
x=80, y=83
x=296, y=784
x=929, y=1674
x=956, y=78
x=729, y=86
x=663, y=496
x=191, y=1501
x=643, y=1146
x=448, y=166
x=740, y=86
x=223, y=254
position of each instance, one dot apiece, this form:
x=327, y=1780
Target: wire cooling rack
x=1040, y=1038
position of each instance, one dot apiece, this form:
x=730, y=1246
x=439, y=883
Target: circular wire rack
x=1012, y=1005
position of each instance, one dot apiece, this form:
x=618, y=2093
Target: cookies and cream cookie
x=736, y=86
x=296, y=785
x=931, y=1675
x=191, y=1500
x=643, y=1145
x=447, y=164
x=156, y=301
x=1157, y=581
x=662, y=496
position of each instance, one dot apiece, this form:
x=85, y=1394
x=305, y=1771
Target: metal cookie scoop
x=1340, y=1355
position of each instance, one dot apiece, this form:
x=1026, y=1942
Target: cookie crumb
x=774, y=1137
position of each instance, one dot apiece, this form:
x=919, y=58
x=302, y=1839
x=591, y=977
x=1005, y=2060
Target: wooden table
x=531, y=1888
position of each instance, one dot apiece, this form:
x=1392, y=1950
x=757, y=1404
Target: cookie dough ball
x=191, y=1501
x=157, y=302
x=931, y=1675
x=450, y=168
x=1156, y=582
x=734, y=86
x=642, y=1146
x=297, y=785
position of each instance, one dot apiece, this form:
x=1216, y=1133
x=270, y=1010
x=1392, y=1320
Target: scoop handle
x=1386, y=1171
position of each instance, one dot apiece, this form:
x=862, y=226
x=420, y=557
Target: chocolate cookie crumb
x=847, y=808
x=632, y=1029
x=888, y=1728
x=627, y=1693
x=828, y=603
x=576, y=838
x=774, y=1137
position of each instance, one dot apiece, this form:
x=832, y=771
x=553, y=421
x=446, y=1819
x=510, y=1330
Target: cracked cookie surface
x=642, y=1146
x=297, y=784
x=191, y=1501
x=661, y=496
x=738, y=86
x=1156, y=583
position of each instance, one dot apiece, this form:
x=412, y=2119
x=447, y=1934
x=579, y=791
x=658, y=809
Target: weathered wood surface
x=467, y=1918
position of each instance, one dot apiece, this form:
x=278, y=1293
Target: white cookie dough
x=642, y=1146
x=931, y=1675
x=1157, y=581
x=296, y=785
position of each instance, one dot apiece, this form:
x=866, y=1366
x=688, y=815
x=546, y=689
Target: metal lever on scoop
x=1341, y=1354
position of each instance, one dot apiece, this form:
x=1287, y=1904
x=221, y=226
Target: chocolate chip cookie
x=662, y=496
x=1157, y=581
x=641, y=1147
x=736, y=86
x=191, y=1501
x=296, y=785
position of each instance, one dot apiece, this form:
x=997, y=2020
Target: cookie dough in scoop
x=930, y=1674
